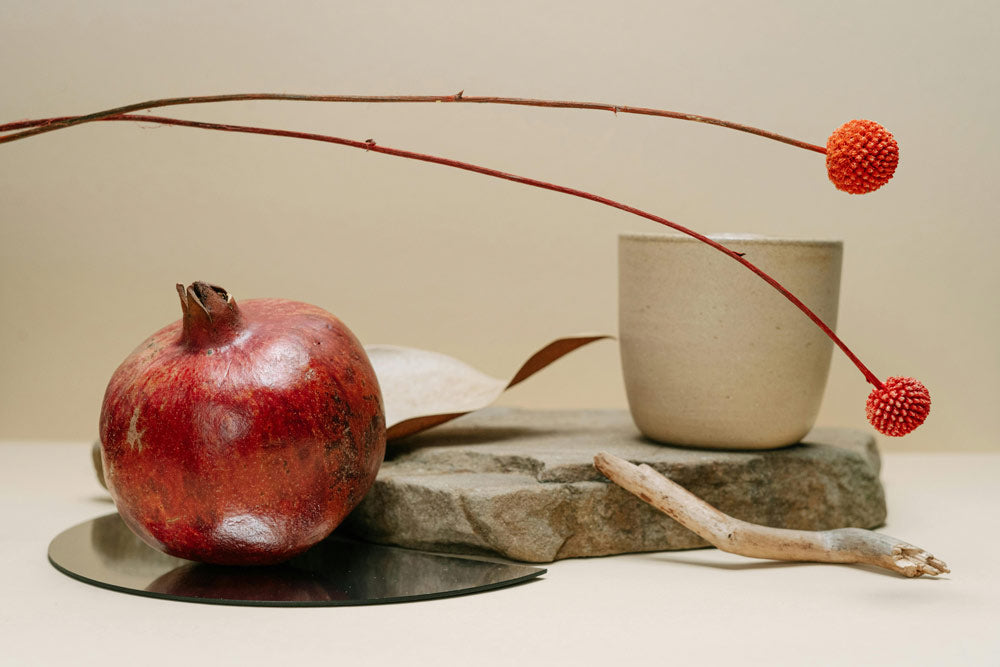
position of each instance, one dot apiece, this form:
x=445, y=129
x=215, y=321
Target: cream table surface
x=688, y=607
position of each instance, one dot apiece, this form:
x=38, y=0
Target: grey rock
x=521, y=484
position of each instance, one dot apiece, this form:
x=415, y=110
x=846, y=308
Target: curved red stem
x=458, y=98
x=373, y=147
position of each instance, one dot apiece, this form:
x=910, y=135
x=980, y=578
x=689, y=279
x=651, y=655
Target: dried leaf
x=422, y=389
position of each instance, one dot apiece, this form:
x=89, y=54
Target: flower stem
x=370, y=145
x=457, y=98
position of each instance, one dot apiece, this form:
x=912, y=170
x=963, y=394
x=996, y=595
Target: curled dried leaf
x=422, y=389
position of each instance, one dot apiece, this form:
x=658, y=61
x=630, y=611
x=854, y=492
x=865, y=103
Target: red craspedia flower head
x=861, y=156
x=899, y=407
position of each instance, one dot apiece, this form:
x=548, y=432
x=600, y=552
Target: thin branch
x=458, y=98
x=843, y=545
x=371, y=146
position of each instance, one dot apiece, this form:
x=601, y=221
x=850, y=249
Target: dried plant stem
x=457, y=98
x=844, y=545
x=371, y=146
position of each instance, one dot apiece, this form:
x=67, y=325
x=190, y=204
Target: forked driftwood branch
x=844, y=545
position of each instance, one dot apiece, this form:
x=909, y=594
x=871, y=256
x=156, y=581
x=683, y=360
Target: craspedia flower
x=861, y=156
x=900, y=406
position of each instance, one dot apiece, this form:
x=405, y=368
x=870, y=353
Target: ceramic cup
x=713, y=356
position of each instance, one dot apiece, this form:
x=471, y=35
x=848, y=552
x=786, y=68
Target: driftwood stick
x=844, y=545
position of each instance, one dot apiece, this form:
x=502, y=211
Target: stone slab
x=521, y=484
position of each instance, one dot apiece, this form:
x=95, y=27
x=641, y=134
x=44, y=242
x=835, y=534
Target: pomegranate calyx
x=211, y=316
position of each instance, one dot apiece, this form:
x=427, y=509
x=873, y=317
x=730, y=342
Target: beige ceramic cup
x=712, y=355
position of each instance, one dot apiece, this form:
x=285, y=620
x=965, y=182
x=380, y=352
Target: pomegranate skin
x=242, y=439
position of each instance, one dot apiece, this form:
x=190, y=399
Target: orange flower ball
x=899, y=407
x=861, y=156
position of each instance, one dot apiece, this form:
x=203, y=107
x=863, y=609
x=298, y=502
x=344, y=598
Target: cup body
x=713, y=356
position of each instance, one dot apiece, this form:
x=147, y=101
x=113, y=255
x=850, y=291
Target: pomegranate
x=241, y=435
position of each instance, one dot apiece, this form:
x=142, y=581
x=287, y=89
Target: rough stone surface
x=521, y=484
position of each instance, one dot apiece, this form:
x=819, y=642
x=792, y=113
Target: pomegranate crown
x=861, y=156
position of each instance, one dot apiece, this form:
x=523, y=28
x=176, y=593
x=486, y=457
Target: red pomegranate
x=241, y=435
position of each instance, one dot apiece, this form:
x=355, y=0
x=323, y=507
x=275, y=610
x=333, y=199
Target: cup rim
x=743, y=238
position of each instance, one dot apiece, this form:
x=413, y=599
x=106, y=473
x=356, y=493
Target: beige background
x=97, y=223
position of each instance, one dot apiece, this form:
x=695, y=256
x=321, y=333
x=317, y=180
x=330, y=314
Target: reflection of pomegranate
x=275, y=583
x=241, y=435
